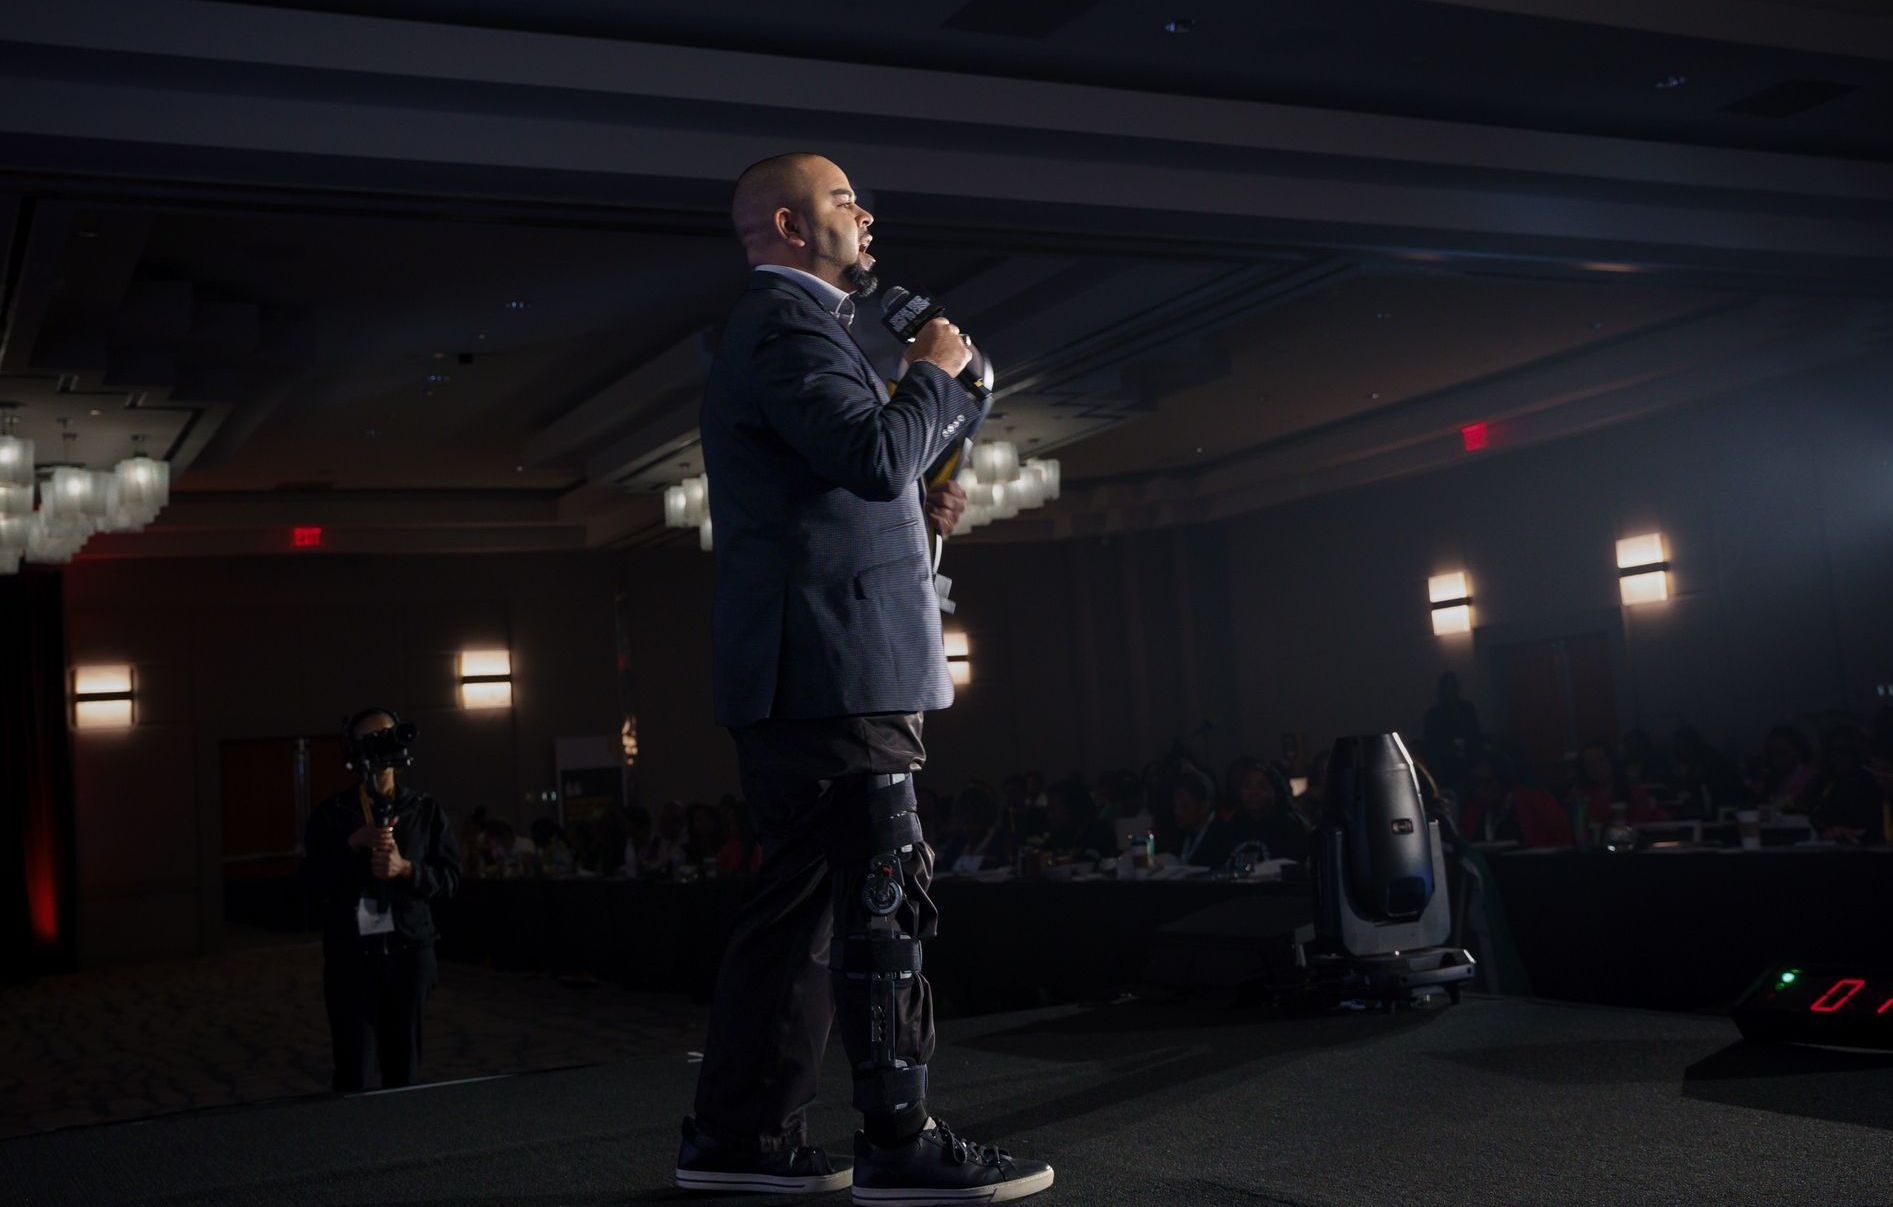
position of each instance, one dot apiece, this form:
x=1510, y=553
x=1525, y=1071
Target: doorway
x=1557, y=694
x=269, y=786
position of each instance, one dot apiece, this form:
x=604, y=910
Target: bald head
x=779, y=182
x=799, y=210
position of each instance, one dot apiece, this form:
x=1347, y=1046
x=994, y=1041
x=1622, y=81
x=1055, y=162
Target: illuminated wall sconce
x=101, y=697
x=1451, y=598
x=959, y=654
x=486, y=679
x=1643, y=570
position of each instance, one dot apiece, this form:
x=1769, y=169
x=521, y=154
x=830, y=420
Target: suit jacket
x=337, y=876
x=825, y=603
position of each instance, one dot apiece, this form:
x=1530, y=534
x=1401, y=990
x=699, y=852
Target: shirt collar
x=831, y=298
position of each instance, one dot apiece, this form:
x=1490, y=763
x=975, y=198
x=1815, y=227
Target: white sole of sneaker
x=762, y=1183
x=1017, y=1188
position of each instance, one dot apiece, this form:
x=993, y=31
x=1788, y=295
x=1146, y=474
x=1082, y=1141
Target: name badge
x=371, y=919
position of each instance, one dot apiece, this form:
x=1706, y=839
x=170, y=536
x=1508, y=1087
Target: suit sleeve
x=813, y=396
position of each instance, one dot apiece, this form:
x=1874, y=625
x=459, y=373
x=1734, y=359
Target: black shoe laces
x=964, y=1150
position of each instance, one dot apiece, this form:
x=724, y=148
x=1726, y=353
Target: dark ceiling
x=441, y=275
x=1445, y=61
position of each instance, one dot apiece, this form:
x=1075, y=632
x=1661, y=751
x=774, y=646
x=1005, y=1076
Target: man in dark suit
x=828, y=650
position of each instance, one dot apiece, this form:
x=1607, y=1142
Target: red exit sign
x=306, y=538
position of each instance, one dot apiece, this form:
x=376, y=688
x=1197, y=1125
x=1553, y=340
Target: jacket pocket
x=888, y=578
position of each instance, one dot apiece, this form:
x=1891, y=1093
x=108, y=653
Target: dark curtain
x=36, y=794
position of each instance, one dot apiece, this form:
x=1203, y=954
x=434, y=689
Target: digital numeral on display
x=1838, y=994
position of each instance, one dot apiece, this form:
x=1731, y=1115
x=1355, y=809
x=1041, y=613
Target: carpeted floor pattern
x=139, y=1040
x=1493, y=1101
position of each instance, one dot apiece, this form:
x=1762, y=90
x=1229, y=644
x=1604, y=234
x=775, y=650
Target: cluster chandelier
x=74, y=502
x=998, y=487
x=687, y=505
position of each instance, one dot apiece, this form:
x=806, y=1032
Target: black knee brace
x=873, y=946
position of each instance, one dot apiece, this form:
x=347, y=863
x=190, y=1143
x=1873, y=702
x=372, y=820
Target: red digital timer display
x=1848, y=1007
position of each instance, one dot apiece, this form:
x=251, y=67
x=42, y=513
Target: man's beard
x=864, y=282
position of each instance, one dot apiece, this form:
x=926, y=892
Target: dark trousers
x=374, y=989
x=806, y=785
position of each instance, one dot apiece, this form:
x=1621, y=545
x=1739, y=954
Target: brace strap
x=859, y=956
x=891, y=818
x=884, y=1090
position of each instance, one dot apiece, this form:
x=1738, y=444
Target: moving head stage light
x=1383, y=915
x=1382, y=912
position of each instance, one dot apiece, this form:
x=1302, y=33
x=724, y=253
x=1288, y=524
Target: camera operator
x=374, y=856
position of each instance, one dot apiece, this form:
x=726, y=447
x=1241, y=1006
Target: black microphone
x=906, y=312
x=383, y=810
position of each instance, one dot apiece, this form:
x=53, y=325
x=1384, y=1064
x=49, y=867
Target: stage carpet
x=1494, y=1101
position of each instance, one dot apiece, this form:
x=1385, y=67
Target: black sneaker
x=704, y=1164
x=939, y=1167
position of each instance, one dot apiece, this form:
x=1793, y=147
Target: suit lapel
x=786, y=288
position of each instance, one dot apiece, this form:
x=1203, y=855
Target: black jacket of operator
x=337, y=876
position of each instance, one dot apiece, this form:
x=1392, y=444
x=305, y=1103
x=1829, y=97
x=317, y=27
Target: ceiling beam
x=1737, y=347
x=1788, y=26
x=642, y=396
x=1314, y=177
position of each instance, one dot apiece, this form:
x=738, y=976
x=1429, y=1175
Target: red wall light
x=1474, y=436
x=306, y=538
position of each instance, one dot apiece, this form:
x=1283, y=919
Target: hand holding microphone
x=916, y=321
x=940, y=344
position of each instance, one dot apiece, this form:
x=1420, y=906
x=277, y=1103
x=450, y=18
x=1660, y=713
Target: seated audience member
x=1450, y=734
x=1016, y=815
x=598, y=844
x=1121, y=807
x=703, y=834
x=504, y=853
x=1497, y=809
x=973, y=841
x=555, y=854
x=740, y=854
x=637, y=838
x=472, y=839
x=1439, y=803
x=1072, y=820
x=1787, y=771
x=1314, y=793
x=1644, y=765
x=1037, y=804
x=1262, y=809
x=1845, y=802
x=1705, y=777
x=1203, y=839
x=665, y=850
x=1600, y=792
x=1159, y=788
